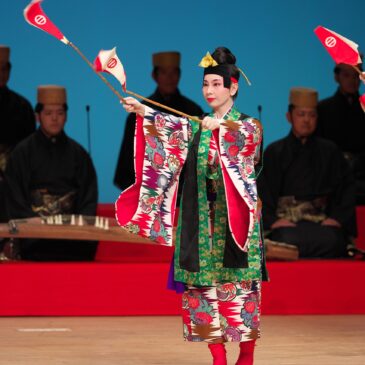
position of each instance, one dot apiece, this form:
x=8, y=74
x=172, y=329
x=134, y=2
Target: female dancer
x=218, y=250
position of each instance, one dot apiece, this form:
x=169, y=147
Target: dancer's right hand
x=132, y=105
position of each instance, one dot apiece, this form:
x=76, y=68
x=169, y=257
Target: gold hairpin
x=244, y=75
x=208, y=61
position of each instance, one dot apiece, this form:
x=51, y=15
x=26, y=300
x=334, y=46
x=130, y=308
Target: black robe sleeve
x=17, y=118
x=87, y=191
x=342, y=199
x=28, y=121
x=124, y=172
x=269, y=184
x=17, y=178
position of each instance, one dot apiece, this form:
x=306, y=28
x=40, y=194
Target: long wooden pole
x=195, y=119
x=98, y=73
x=357, y=69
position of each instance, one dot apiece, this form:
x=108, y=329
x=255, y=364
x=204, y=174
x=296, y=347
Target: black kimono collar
x=296, y=142
x=55, y=140
x=346, y=97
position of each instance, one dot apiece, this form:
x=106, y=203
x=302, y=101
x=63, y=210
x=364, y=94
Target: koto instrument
x=278, y=251
x=70, y=227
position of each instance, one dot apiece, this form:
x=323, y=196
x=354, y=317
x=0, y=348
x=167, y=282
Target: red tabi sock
x=246, y=353
x=219, y=353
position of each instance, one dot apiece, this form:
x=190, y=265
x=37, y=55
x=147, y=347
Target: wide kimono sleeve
x=147, y=207
x=240, y=151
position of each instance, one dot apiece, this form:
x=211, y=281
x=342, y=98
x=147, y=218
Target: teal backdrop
x=273, y=41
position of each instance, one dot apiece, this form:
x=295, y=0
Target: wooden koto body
x=280, y=251
x=70, y=227
x=90, y=228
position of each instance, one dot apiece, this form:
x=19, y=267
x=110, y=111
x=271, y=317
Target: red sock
x=246, y=353
x=219, y=353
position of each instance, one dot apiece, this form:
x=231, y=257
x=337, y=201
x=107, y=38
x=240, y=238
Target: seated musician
x=49, y=174
x=307, y=190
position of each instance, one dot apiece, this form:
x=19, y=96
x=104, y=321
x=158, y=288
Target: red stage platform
x=130, y=279
x=105, y=289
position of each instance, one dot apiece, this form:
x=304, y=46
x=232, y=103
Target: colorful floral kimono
x=218, y=246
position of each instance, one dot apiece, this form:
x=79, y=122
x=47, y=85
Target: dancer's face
x=216, y=95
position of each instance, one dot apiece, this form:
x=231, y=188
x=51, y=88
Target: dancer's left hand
x=211, y=123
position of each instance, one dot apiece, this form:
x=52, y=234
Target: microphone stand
x=88, y=129
x=259, y=109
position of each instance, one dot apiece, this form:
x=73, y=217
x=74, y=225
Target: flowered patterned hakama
x=221, y=313
x=222, y=298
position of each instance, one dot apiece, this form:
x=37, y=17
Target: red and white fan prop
x=106, y=61
x=342, y=50
x=35, y=16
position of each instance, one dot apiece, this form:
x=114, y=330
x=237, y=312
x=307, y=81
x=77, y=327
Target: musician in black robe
x=17, y=120
x=306, y=187
x=49, y=174
x=342, y=120
x=166, y=73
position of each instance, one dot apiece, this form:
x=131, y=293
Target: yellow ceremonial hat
x=162, y=59
x=303, y=97
x=4, y=54
x=51, y=94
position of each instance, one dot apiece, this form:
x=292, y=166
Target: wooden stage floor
x=286, y=340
